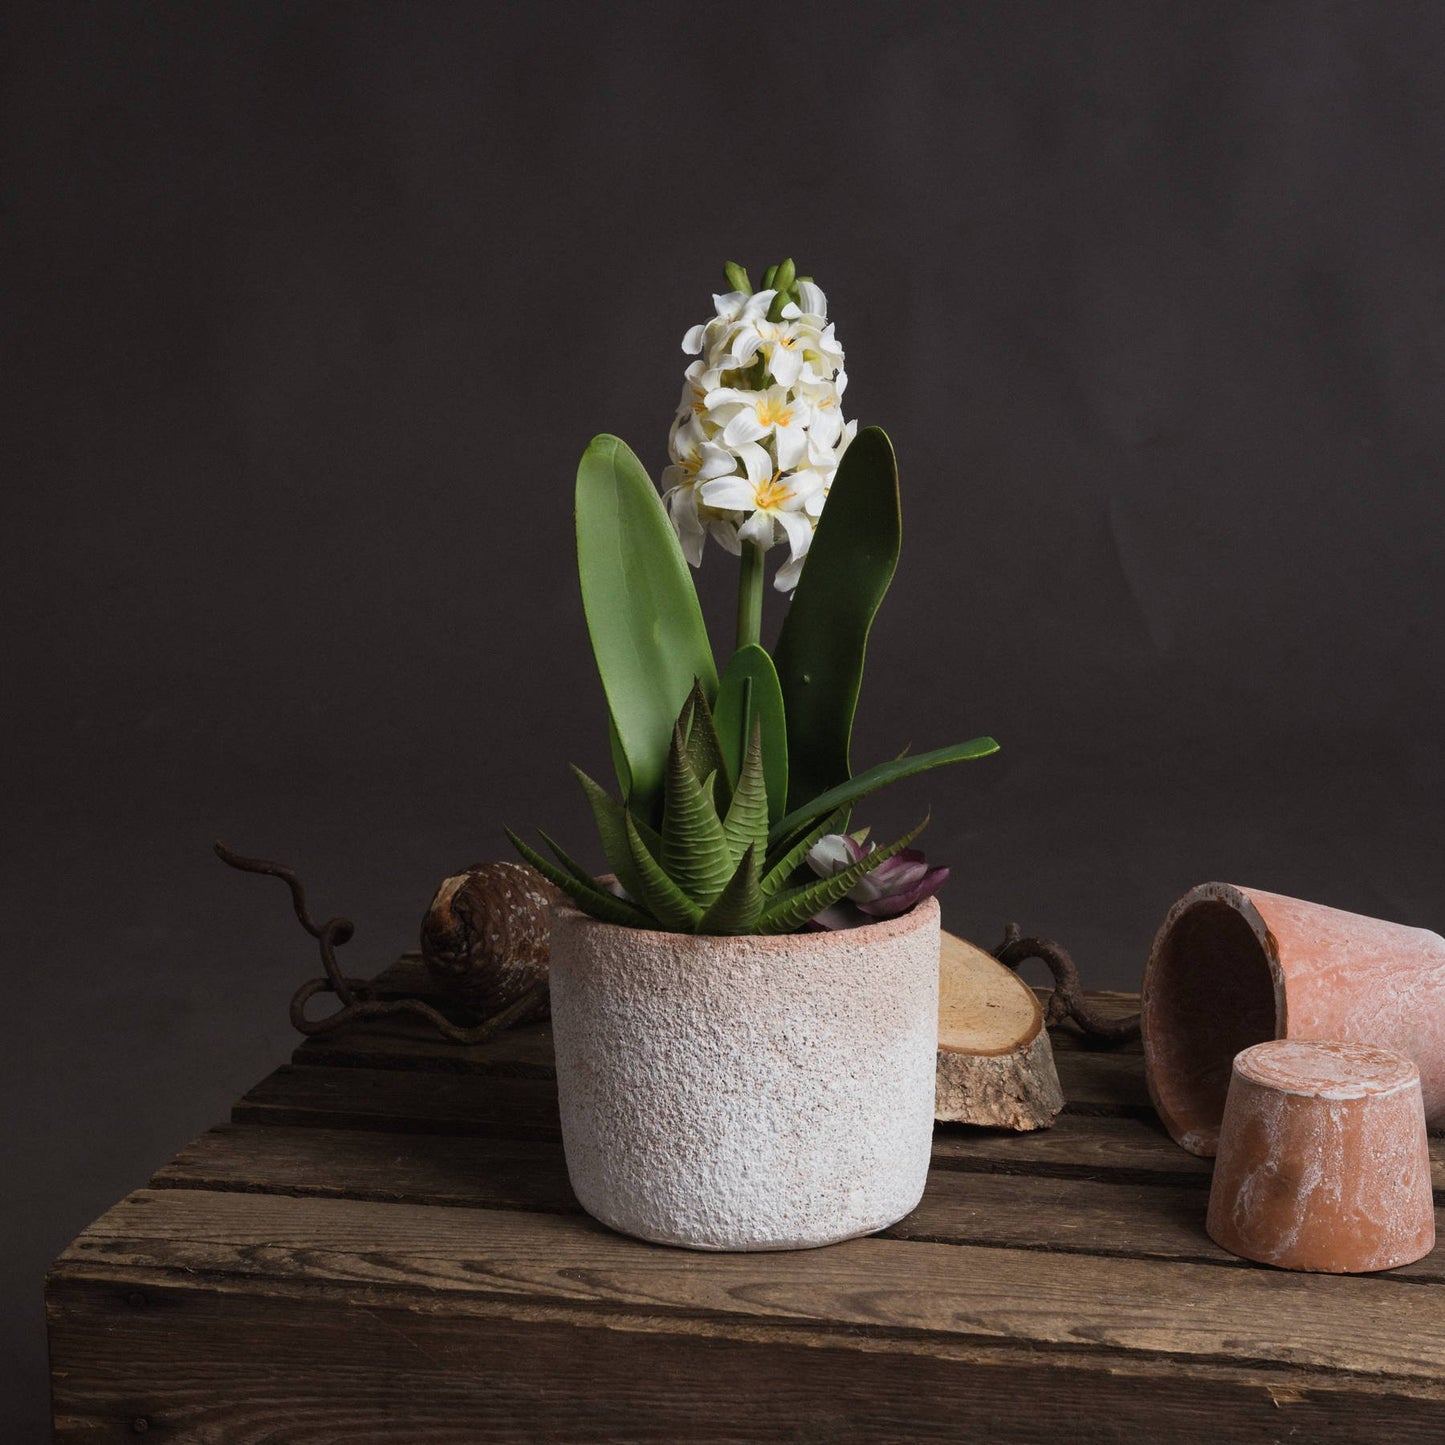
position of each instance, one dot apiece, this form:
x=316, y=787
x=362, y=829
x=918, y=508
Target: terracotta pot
x=1235, y=966
x=1323, y=1159
x=746, y=1093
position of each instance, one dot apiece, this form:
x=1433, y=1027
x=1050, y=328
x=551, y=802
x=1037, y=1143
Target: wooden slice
x=995, y=1063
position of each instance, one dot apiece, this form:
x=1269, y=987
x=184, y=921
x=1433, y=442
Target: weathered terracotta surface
x=746, y=1093
x=1235, y=966
x=1324, y=1163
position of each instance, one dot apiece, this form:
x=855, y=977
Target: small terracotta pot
x=1323, y=1163
x=751, y=1092
x=1235, y=966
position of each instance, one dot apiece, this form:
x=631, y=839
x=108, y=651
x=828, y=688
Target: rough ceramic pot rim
x=1251, y=1064
x=1237, y=899
x=884, y=928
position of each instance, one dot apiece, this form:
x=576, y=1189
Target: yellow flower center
x=772, y=494
x=773, y=412
x=698, y=400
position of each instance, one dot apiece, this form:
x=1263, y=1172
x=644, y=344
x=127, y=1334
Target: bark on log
x=995, y=1063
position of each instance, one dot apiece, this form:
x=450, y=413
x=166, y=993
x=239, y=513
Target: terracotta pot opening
x=1209, y=992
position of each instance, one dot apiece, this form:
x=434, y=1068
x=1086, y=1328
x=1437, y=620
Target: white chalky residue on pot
x=1323, y=1161
x=747, y=1093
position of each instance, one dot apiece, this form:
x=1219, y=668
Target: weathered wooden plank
x=515, y=1100
x=407, y=1044
x=1079, y=1302
x=201, y=1364
x=1125, y=1148
x=1082, y=1215
x=403, y=1044
x=475, y=1171
x=404, y=1100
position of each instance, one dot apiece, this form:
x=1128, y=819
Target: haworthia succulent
x=739, y=904
x=662, y=898
x=746, y=824
x=785, y=864
x=704, y=748
x=594, y=900
x=750, y=693
x=611, y=820
x=642, y=612
x=695, y=852
x=795, y=906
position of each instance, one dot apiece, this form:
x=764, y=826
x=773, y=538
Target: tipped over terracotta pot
x=1234, y=966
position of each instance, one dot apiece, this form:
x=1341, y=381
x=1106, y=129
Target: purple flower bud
x=893, y=887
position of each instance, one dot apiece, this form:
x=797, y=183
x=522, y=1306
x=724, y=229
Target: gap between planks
x=1061, y=1301
x=1127, y=1146
x=1084, y=1215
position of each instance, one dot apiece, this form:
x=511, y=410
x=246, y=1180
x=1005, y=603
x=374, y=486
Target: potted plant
x=745, y=1012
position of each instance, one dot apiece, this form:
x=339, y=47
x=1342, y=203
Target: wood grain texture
x=384, y=1247
x=329, y=1369
x=522, y=1104
x=1079, y=1214
x=1024, y=1297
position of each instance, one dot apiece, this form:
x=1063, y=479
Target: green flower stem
x=750, y=596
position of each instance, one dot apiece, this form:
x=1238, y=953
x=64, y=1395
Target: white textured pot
x=746, y=1093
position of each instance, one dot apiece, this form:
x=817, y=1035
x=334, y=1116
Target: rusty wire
x=1068, y=999
x=360, y=998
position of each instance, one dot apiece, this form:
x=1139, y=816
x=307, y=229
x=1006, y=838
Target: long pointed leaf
x=658, y=894
x=695, y=853
x=793, y=908
x=748, y=693
x=642, y=612
x=739, y=904
x=567, y=860
x=787, y=863
x=704, y=749
x=848, y=793
x=821, y=646
x=610, y=817
x=595, y=901
x=746, y=825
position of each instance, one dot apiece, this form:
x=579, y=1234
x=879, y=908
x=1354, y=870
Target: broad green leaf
x=848, y=793
x=611, y=820
x=658, y=894
x=704, y=749
x=746, y=824
x=695, y=853
x=642, y=612
x=749, y=693
x=738, y=905
x=594, y=900
x=791, y=859
x=619, y=758
x=820, y=649
x=794, y=907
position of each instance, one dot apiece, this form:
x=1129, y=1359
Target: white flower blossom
x=759, y=430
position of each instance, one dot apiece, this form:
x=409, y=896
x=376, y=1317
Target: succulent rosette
x=893, y=887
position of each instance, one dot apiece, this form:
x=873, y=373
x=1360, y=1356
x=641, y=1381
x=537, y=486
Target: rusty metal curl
x=360, y=998
x=1067, y=999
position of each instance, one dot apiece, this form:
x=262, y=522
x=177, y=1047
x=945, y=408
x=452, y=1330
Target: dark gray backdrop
x=310, y=309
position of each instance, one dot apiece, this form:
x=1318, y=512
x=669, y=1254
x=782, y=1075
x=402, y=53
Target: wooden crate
x=382, y=1246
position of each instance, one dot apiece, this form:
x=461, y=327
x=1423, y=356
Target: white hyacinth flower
x=759, y=430
x=771, y=502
